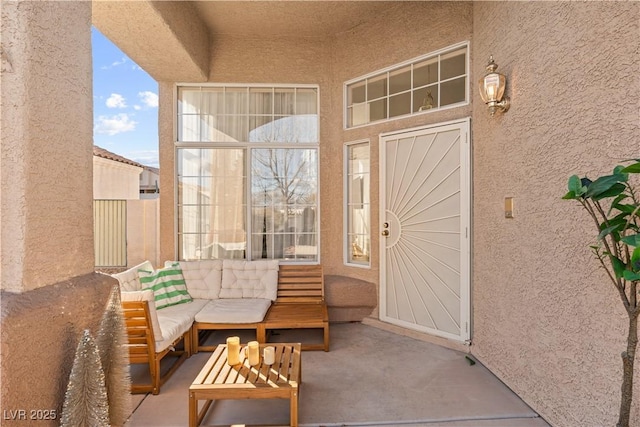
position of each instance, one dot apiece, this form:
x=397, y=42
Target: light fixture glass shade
x=492, y=87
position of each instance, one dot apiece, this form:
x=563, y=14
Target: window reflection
x=358, y=239
x=251, y=201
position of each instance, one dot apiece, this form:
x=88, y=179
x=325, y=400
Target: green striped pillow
x=167, y=284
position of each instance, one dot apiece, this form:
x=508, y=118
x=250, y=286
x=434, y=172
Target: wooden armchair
x=142, y=346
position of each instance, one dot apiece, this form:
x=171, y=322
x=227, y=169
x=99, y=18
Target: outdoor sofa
x=211, y=295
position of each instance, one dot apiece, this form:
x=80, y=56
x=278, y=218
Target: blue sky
x=125, y=104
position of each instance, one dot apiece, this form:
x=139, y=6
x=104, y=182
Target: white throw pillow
x=129, y=279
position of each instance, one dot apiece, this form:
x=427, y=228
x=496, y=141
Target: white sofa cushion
x=176, y=320
x=129, y=279
x=232, y=310
x=249, y=279
x=203, y=278
x=146, y=295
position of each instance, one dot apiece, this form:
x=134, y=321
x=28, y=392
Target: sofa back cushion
x=249, y=279
x=129, y=279
x=146, y=295
x=167, y=284
x=203, y=278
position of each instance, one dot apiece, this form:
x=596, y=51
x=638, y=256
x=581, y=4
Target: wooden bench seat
x=141, y=346
x=300, y=304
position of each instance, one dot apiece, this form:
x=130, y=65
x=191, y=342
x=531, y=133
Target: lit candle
x=269, y=355
x=254, y=352
x=233, y=350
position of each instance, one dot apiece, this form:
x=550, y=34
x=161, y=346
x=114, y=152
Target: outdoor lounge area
x=371, y=377
x=370, y=138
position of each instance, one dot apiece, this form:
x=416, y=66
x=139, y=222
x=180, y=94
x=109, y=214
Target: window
x=429, y=82
x=358, y=205
x=247, y=172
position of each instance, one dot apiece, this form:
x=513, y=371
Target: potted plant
x=613, y=203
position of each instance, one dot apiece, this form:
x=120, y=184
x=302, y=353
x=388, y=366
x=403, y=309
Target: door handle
x=385, y=232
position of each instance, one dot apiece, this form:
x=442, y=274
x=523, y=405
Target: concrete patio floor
x=371, y=377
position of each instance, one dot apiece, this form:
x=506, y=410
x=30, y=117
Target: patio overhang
x=173, y=40
x=167, y=39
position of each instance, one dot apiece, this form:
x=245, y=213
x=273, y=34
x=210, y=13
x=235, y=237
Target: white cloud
x=116, y=101
x=114, y=64
x=148, y=157
x=113, y=125
x=137, y=107
x=148, y=98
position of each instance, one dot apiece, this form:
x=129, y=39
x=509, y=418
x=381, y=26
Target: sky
x=125, y=104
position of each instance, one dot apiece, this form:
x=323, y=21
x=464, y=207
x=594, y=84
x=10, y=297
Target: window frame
x=247, y=148
x=388, y=71
x=346, y=196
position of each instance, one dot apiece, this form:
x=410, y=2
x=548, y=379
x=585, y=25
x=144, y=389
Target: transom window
x=247, y=172
x=248, y=114
x=426, y=83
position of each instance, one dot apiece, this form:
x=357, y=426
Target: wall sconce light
x=492, y=89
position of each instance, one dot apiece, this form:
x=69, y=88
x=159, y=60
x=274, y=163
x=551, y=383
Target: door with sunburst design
x=425, y=203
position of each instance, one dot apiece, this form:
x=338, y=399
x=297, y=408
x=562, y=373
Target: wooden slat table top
x=218, y=374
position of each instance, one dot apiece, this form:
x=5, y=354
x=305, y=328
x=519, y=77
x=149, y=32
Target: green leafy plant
x=612, y=202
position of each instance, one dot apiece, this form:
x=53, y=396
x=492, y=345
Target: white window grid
x=348, y=233
x=386, y=73
x=246, y=146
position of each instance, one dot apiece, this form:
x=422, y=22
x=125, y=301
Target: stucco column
x=47, y=134
x=167, y=163
x=49, y=291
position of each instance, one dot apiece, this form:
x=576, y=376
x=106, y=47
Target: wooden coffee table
x=218, y=380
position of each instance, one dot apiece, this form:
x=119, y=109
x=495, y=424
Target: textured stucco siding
x=547, y=320
x=47, y=134
x=50, y=293
x=166, y=157
x=40, y=333
x=168, y=37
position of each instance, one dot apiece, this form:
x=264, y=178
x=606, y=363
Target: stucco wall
x=40, y=333
x=168, y=37
x=166, y=153
x=547, y=320
x=46, y=144
x=115, y=180
x=50, y=293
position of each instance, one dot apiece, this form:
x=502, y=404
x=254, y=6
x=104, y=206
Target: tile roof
x=105, y=154
x=152, y=169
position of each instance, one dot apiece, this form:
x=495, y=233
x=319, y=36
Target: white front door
x=425, y=203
